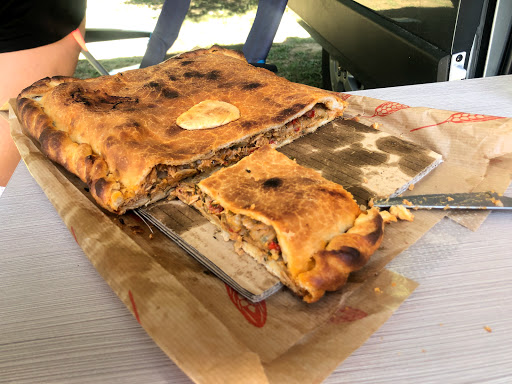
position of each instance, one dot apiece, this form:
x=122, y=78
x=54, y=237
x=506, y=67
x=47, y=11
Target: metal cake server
x=474, y=200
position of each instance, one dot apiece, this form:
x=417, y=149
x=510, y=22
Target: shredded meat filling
x=240, y=228
x=163, y=178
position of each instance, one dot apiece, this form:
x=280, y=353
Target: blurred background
x=223, y=22
x=341, y=45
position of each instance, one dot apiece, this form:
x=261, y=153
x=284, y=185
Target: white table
x=60, y=322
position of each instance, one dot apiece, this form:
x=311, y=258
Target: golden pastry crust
x=321, y=232
x=115, y=131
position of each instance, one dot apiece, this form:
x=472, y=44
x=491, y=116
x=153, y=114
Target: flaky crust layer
x=113, y=130
x=321, y=231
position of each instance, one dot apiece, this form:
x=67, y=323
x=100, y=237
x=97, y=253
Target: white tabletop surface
x=60, y=322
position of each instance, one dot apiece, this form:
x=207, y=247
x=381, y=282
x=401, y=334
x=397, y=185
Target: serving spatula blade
x=474, y=200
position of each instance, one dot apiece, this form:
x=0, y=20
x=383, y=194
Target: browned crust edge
x=344, y=254
x=78, y=159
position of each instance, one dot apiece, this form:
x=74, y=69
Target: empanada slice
x=306, y=230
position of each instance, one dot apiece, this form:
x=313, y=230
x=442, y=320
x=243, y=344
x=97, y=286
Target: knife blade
x=474, y=200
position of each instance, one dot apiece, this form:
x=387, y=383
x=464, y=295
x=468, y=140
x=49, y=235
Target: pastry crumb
x=137, y=230
x=370, y=203
x=446, y=207
x=377, y=290
x=411, y=187
x=388, y=217
x=449, y=198
x=401, y=212
x=407, y=202
x=365, y=180
x=497, y=202
x=393, y=284
x=423, y=350
x=150, y=236
x=375, y=125
x=356, y=119
x=488, y=329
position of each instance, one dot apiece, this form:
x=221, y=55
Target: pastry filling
x=253, y=237
x=163, y=179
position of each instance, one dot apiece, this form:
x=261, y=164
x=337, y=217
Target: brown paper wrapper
x=476, y=149
x=210, y=331
x=330, y=344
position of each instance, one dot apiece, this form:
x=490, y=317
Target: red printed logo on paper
x=347, y=315
x=344, y=96
x=73, y=233
x=462, y=117
x=135, y=311
x=388, y=108
x=254, y=313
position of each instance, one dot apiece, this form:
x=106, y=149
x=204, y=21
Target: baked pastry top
x=119, y=133
x=306, y=230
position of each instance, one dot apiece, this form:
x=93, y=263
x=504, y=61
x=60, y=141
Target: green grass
x=298, y=60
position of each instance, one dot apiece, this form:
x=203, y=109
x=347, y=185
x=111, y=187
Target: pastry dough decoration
x=208, y=114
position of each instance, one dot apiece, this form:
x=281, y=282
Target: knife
x=474, y=200
x=88, y=55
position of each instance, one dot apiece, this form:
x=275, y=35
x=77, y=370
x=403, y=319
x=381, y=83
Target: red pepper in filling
x=273, y=245
x=214, y=208
x=296, y=125
x=310, y=113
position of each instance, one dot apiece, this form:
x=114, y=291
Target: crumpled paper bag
x=476, y=149
x=215, y=335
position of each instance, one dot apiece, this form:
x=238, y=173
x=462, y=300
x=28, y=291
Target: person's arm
x=18, y=70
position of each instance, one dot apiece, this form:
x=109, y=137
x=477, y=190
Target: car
x=382, y=43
